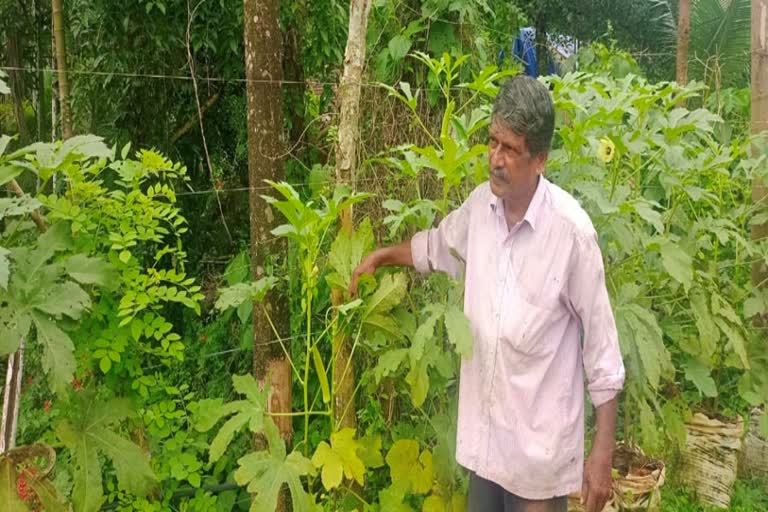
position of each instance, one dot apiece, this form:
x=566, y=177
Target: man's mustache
x=499, y=174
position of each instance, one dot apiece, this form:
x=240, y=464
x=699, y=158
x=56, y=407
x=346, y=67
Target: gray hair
x=524, y=105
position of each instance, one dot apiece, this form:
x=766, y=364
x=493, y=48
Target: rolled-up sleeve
x=444, y=248
x=588, y=298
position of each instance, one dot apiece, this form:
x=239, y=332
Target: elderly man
x=540, y=316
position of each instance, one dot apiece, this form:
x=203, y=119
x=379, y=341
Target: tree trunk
x=13, y=54
x=263, y=69
x=759, y=113
x=346, y=165
x=61, y=65
x=296, y=89
x=542, y=52
x=683, y=36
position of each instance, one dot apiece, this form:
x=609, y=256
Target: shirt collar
x=532, y=214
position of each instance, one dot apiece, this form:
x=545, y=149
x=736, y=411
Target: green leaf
x=339, y=458
x=17, y=206
x=105, y=364
x=87, y=270
x=649, y=343
x=238, y=270
x=418, y=381
x=347, y=252
x=369, y=451
x=378, y=307
x=86, y=434
x=5, y=267
x=646, y=212
x=8, y=496
x=433, y=504
x=58, y=353
x=709, y=334
x=66, y=298
x=87, y=493
x=678, y=263
x=459, y=333
x=322, y=375
x=406, y=465
x=134, y=473
x=398, y=47
x=234, y=296
x=14, y=323
x=389, y=294
x=8, y=172
x=389, y=363
x=701, y=378
x=57, y=238
x=251, y=412
x=266, y=472
x=392, y=498
x=735, y=340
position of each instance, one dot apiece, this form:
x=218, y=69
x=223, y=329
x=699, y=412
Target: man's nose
x=494, y=157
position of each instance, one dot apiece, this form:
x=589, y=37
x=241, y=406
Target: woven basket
x=710, y=461
x=636, y=485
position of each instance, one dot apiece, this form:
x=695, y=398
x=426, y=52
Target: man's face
x=514, y=172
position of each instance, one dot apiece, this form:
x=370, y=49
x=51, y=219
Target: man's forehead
x=510, y=136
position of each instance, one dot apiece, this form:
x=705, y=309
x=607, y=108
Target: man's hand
x=368, y=266
x=597, y=487
x=396, y=255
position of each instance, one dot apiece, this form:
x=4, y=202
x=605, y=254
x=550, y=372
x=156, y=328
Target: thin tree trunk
x=296, y=89
x=346, y=165
x=683, y=36
x=13, y=53
x=61, y=64
x=263, y=61
x=759, y=114
x=542, y=52
x=40, y=96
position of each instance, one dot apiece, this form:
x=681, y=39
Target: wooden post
x=759, y=112
x=683, y=36
x=346, y=165
x=61, y=64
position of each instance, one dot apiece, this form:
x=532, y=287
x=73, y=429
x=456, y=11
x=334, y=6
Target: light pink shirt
x=530, y=293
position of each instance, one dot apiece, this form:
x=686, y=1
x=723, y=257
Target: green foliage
x=40, y=293
x=669, y=204
x=719, y=42
x=339, y=459
x=265, y=472
x=86, y=433
x=252, y=412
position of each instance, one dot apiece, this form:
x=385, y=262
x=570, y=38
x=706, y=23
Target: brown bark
x=296, y=89
x=683, y=36
x=346, y=165
x=61, y=65
x=263, y=69
x=759, y=114
x=16, y=80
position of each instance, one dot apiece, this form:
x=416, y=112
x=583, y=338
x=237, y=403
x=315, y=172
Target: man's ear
x=540, y=161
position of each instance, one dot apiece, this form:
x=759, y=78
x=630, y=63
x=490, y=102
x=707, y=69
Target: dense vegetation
x=125, y=255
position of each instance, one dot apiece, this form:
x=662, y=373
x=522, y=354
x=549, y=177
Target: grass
x=748, y=496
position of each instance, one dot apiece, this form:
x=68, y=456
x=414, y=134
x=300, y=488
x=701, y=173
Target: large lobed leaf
x=265, y=472
x=339, y=459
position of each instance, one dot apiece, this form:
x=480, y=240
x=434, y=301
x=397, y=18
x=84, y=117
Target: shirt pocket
x=525, y=328
x=539, y=278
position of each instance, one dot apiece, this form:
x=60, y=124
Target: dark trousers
x=487, y=496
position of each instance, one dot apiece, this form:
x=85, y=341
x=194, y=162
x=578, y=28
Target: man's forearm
x=605, y=438
x=394, y=256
